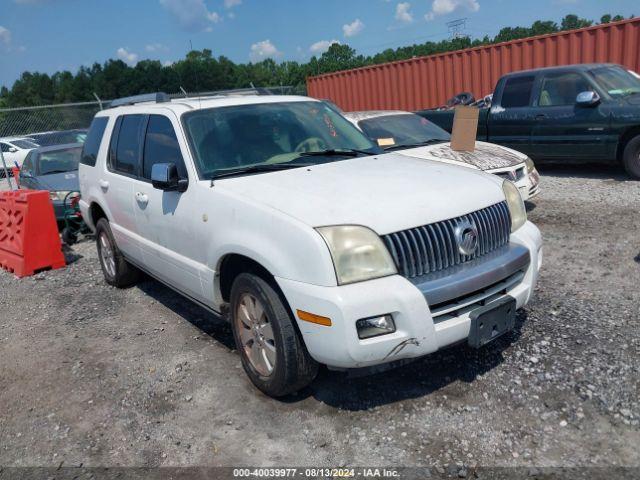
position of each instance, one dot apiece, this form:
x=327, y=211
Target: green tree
x=199, y=70
x=571, y=22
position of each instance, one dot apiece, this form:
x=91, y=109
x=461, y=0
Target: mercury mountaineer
x=317, y=246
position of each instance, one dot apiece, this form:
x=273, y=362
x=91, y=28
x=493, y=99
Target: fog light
x=375, y=326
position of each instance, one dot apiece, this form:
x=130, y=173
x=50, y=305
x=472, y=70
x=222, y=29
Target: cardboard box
x=465, y=129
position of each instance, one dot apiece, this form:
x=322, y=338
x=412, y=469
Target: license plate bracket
x=492, y=321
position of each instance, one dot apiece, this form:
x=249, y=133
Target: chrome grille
x=430, y=248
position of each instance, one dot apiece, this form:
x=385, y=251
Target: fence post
x=6, y=171
x=98, y=99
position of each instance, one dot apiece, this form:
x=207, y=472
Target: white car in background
x=15, y=150
x=414, y=136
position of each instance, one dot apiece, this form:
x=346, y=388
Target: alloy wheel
x=107, y=255
x=256, y=334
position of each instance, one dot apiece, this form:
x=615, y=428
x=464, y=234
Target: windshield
x=24, y=144
x=617, y=81
x=405, y=129
x=244, y=136
x=59, y=161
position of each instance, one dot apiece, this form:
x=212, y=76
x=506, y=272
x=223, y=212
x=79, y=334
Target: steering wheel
x=311, y=144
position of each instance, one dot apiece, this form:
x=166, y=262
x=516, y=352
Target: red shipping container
x=428, y=82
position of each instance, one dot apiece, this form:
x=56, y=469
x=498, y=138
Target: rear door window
x=93, y=141
x=128, y=148
x=161, y=146
x=517, y=92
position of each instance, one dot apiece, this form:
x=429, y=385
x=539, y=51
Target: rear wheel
x=117, y=271
x=631, y=157
x=272, y=352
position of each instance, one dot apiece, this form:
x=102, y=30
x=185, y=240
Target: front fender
x=283, y=245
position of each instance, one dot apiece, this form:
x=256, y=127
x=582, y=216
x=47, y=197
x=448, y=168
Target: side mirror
x=587, y=99
x=164, y=176
x=13, y=149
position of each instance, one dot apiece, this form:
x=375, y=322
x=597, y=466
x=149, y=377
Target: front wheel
x=631, y=157
x=272, y=352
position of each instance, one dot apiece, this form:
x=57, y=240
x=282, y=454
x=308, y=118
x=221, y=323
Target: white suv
x=321, y=249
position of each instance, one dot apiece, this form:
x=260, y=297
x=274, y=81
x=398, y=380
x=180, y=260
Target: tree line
x=201, y=71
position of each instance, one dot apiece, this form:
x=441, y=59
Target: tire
x=631, y=157
x=280, y=347
x=117, y=271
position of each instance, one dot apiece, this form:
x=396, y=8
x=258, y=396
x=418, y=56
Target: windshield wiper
x=403, y=146
x=267, y=167
x=332, y=152
x=56, y=171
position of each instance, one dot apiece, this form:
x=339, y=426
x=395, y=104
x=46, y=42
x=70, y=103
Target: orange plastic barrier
x=29, y=239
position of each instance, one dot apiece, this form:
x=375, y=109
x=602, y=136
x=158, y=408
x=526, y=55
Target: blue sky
x=50, y=35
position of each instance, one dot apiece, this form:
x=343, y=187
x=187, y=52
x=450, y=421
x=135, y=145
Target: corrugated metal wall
x=427, y=82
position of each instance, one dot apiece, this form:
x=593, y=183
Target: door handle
x=142, y=198
x=541, y=116
x=103, y=184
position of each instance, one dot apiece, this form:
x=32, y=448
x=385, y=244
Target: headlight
x=358, y=253
x=531, y=167
x=515, y=204
x=60, y=195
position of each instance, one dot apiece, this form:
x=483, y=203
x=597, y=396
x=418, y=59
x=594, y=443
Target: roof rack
x=237, y=91
x=159, y=97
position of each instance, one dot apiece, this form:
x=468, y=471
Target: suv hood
x=386, y=193
x=486, y=156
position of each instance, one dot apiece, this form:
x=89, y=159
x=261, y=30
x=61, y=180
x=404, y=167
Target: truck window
x=561, y=89
x=517, y=92
x=161, y=146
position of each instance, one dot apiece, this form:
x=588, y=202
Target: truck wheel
x=271, y=350
x=631, y=157
x=117, y=271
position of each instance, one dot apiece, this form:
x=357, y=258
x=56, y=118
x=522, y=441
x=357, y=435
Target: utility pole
x=457, y=28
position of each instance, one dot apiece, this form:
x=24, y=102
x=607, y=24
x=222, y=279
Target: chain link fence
x=25, y=128
x=22, y=129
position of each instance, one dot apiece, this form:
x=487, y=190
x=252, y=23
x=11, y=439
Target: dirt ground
x=95, y=376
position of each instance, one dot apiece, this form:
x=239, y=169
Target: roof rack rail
x=239, y=91
x=159, y=97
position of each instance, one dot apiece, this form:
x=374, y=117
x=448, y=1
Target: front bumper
x=421, y=328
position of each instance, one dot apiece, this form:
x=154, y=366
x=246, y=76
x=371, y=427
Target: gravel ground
x=96, y=376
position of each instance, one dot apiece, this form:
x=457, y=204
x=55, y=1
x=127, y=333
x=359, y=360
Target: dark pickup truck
x=581, y=112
